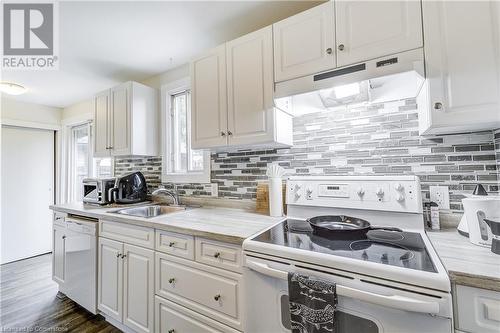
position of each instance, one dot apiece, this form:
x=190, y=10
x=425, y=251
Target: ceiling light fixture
x=12, y=88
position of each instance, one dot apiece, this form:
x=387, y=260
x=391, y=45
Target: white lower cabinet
x=173, y=318
x=58, y=254
x=477, y=310
x=126, y=280
x=208, y=290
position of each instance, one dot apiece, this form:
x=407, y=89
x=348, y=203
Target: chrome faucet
x=171, y=193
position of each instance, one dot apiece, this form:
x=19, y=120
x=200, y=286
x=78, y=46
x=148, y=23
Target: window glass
x=81, y=153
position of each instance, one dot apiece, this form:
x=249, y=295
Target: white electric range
x=388, y=280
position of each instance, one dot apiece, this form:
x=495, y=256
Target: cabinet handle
x=329, y=50
x=341, y=47
x=110, y=147
x=223, y=133
x=171, y=280
x=124, y=256
x=217, y=297
x=63, y=237
x=171, y=244
x=118, y=255
x=216, y=254
x=438, y=106
x=171, y=331
x=229, y=133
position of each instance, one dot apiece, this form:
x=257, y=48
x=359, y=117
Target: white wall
x=80, y=111
x=13, y=112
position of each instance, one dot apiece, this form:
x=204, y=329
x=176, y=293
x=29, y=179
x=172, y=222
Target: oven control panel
x=395, y=193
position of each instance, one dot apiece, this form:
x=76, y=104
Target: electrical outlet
x=441, y=196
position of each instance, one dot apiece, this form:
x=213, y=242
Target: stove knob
x=297, y=196
x=400, y=197
x=380, y=192
x=360, y=192
x=297, y=187
x=399, y=187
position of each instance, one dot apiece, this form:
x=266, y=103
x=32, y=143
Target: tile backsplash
x=379, y=139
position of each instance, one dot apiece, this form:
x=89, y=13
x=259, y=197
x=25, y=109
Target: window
x=181, y=164
x=82, y=165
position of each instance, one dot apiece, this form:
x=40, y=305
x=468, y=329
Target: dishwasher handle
x=392, y=301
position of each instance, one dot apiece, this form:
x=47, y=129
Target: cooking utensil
x=343, y=225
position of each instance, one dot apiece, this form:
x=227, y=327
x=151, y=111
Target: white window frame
x=167, y=176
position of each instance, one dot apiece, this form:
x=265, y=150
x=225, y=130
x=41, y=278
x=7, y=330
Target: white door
x=27, y=190
x=138, y=288
x=59, y=254
x=101, y=125
x=305, y=43
x=462, y=65
x=209, y=99
x=250, y=88
x=120, y=120
x=371, y=29
x=110, y=278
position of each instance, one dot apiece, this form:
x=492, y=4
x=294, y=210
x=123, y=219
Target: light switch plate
x=441, y=196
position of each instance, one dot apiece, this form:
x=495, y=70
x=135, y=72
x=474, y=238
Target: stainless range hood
x=379, y=80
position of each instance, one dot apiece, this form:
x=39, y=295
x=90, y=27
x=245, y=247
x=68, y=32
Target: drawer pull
x=171, y=244
x=216, y=254
x=118, y=255
x=124, y=255
x=171, y=331
x=217, y=297
x=171, y=280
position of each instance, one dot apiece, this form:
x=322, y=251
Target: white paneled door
x=27, y=190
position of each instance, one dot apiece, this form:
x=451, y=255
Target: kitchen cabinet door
x=250, y=88
x=138, y=292
x=209, y=99
x=120, y=120
x=371, y=29
x=110, y=278
x=462, y=91
x=305, y=43
x=101, y=124
x=59, y=255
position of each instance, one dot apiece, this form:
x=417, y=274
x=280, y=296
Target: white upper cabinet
x=233, y=96
x=208, y=99
x=250, y=88
x=126, y=121
x=101, y=121
x=305, y=43
x=462, y=90
x=371, y=29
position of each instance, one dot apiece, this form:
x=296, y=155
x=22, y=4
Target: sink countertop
x=466, y=263
x=223, y=224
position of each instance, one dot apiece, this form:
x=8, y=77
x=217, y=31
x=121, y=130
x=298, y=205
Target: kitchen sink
x=150, y=211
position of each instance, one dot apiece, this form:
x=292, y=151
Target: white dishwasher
x=75, y=257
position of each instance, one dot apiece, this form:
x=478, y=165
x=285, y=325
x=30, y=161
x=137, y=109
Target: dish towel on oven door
x=312, y=304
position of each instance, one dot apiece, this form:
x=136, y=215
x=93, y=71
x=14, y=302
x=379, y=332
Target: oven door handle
x=391, y=301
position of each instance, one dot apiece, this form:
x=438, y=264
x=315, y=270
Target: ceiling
x=105, y=43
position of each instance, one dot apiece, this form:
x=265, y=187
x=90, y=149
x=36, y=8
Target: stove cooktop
x=401, y=249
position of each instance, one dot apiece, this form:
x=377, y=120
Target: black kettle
x=131, y=188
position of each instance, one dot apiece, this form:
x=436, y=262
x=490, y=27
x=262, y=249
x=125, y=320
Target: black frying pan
x=343, y=225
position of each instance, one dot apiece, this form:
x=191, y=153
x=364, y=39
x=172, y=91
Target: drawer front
x=171, y=317
x=128, y=233
x=478, y=310
x=175, y=244
x=203, y=290
x=218, y=254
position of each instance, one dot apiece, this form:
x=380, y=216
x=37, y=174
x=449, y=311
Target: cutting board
x=262, y=205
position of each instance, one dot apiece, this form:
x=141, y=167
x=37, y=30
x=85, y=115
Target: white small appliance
x=388, y=279
x=476, y=209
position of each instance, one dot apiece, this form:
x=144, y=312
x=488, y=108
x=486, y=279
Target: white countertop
x=466, y=263
x=224, y=224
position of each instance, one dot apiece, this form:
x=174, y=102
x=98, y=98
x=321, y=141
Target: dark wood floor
x=29, y=302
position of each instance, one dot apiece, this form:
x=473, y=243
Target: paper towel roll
x=275, y=196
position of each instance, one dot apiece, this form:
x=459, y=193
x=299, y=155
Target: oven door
x=369, y=309
x=91, y=193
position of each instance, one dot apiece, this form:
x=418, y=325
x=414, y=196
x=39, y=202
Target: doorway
x=27, y=190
